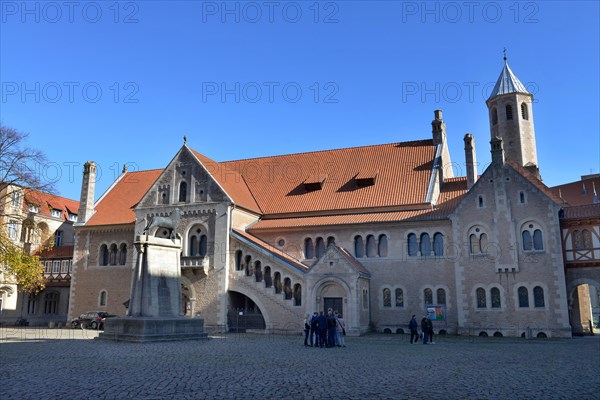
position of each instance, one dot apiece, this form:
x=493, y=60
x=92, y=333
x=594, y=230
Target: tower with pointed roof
x=511, y=119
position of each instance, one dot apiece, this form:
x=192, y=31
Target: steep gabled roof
x=400, y=175
x=231, y=181
x=507, y=83
x=353, y=261
x=585, y=191
x=47, y=202
x=116, y=206
x=537, y=183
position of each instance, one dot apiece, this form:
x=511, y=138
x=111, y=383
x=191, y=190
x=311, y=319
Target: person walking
x=425, y=329
x=413, y=326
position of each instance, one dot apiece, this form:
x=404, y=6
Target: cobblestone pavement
x=67, y=364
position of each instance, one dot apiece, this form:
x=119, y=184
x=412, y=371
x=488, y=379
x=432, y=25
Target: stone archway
x=584, y=306
x=335, y=294
x=188, y=297
x=245, y=311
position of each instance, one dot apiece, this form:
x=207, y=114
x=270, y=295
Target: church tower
x=511, y=119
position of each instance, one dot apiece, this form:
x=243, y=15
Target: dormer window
x=73, y=217
x=34, y=208
x=313, y=183
x=364, y=179
x=56, y=213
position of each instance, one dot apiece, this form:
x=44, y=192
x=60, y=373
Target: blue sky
x=122, y=82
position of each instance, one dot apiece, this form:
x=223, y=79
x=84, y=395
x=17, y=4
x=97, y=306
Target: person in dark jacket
x=322, y=329
x=314, y=336
x=425, y=328
x=331, y=328
x=413, y=326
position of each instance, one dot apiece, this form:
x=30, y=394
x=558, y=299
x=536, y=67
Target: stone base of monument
x=148, y=329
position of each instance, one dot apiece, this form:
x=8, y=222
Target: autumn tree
x=19, y=172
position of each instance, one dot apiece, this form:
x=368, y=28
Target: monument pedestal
x=152, y=329
x=154, y=312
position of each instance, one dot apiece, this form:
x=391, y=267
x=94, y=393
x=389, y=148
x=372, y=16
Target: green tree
x=19, y=166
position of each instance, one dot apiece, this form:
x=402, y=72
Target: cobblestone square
x=70, y=364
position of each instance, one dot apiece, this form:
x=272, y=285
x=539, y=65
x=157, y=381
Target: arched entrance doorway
x=584, y=308
x=243, y=313
x=332, y=295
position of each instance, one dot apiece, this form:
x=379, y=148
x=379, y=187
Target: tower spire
x=505, y=55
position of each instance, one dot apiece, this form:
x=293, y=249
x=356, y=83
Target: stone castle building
x=376, y=232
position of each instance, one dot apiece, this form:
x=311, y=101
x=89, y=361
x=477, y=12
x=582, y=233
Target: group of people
x=322, y=330
x=426, y=330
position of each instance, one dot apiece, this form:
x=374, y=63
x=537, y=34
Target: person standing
x=331, y=328
x=425, y=328
x=314, y=337
x=430, y=331
x=322, y=329
x=306, y=329
x=341, y=331
x=413, y=326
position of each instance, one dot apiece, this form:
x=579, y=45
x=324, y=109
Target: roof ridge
x=325, y=150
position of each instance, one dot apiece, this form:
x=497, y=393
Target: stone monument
x=155, y=312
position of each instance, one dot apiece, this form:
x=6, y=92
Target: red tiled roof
x=231, y=181
x=267, y=247
x=579, y=192
x=277, y=183
x=584, y=211
x=56, y=252
x=116, y=207
x=537, y=183
x=451, y=194
x=46, y=202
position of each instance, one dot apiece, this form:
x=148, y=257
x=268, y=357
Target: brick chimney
x=470, y=160
x=438, y=130
x=88, y=184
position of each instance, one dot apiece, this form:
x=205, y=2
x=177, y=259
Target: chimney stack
x=497, y=151
x=470, y=160
x=438, y=130
x=88, y=185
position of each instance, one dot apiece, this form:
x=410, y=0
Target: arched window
x=387, y=297
x=112, y=257
x=538, y=296
x=123, y=254
x=51, y=303
x=277, y=283
x=587, y=239
x=428, y=296
x=297, y=294
x=412, y=244
x=238, y=260
x=474, y=244
x=496, y=302
x=371, y=246
x=382, y=246
x=483, y=243
x=320, y=247
x=193, y=247
x=330, y=241
x=441, y=296
x=481, y=301
x=494, y=116
x=524, y=111
x=438, y=244
x=103, y=255
x=509, y=114
x=523, y=297
x=287, y=288
x=102, y=298
x=577, y=243
x=399, y=297
x=425, y=245
x=248, y=261
x=268, y=280
x=527, y=242
x=538, y=243
x=359, y=246
x=203, y=248
x=258, y=271
x=182, y=192
x=309, y=249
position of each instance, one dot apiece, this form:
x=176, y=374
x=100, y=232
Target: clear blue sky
x=123, y=82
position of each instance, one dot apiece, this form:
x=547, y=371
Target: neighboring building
x=42, y=224
x=376, y=232
x=580, y=229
